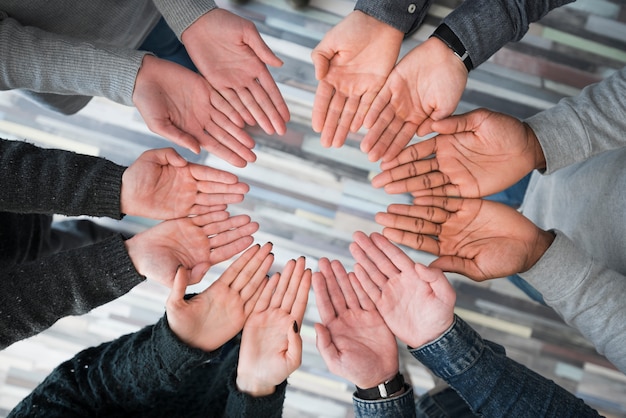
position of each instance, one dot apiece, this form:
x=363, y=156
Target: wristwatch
x=445, y=34
x=384, y=390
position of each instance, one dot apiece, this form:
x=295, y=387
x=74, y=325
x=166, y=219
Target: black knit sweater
x=38, y=182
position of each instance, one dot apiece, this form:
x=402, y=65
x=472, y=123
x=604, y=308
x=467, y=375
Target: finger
x=370, y=287
x=228, y=134
x=321, y=63
x=210, y=143
x=451, y=190
x=322, y=297
x=224, y=252
x=361, y=112
x=332, y=119
x=447, y=204
x=405, y=171
x=419, y=183
x=343, y=128
x=256, y=43
x=416, y=241
x=363, y=260
x=218, y=198
x=207, y=174
x=351, y=300
x=321, y=102
x=376, y=109
x=248, y=281
x=426, y=127
x=402, y=138
x=256, y=266
x=374, y=133
x=266, y=296
x=198, y=271
x=337, y=300
x=325, y=346
x=467, y=122
x=231, y=273
x=280, y=111
x=418, y=151
x=224, y=238
x=169, y=156
x=407, y=223
x=209, y=218
x=385, y=139
x=251, y=304
x=398, y=257
x=364, y=300
x=427, y=211
x=225, y=107
x=254, y=107
x=230, y=96
x=177, y=136
x=177, y=294
x=302, y=297
x=218, y=227
x=283, y=284
x=202, y=210
x=460, y=265
x=374, y=255
x=293, y=284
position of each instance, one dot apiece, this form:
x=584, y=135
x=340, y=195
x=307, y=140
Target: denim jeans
x=163, y=43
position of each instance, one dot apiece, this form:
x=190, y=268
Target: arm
x=585, y=293
x=498, y=375
x=417, y=303
x=46, y=62
x=356, y=344
x=153, y=365
x=37, y=180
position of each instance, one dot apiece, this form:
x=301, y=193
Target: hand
x=196, y=243
x=161, y=184
x=476, y=154
x=478, y=238
x=229, y=52
x=353, y=339
x=210, y=319
x=416, y=302
x=271, y=347
x=183, y=107
x=351, y=63
x=426, y=85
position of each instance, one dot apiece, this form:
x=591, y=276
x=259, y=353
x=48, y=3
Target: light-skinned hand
x=181, y=106
x=351, y=63
x=416, y=302
x=478, y=238
x=476, y=154
x=271, y=346
x=353, y=339
x=195, y=243
x=426, y=85
x=161, y=184
x=211, y=318
x=229, y=52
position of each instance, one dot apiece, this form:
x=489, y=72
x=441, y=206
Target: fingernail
x=295, y=327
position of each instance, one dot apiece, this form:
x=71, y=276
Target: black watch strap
x=382, y=391
x=445, y=34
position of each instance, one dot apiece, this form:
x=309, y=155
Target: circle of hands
x=387, y=295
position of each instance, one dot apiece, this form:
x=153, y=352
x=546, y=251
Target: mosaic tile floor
x=308, y=199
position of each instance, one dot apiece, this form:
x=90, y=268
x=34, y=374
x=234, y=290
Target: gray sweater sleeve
x=68, y=283
x=179, y=15
x=580, y=127
x=587, y=295
x=45, y=62
x=403, y=15
x=485, y=26
x=50, y=181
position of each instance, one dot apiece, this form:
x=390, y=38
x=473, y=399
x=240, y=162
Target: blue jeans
x=163, y=43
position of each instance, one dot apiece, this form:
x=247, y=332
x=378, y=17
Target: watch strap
x=445, y=34
x=382, y=391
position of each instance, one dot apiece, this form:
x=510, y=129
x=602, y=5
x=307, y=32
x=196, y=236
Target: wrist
x=543, y=241
x=387, y=389
x=449, y=38
x=252, y=388
x=539, y=157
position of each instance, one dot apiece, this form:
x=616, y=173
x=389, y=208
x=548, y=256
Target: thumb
x=453, y=264
x=321, y=64
x=455, y=124
x=262, y=51
x=324, y=344
x=177, y=136
x=173, y=158
x=181, y=279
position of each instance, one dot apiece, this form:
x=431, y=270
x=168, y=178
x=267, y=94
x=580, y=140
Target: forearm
x=580, y=127
x=586, y=294
x=243, y=405
x=403, y=15
x=119, y=378
x=37, y=180
x=79, y=281
x=485, y=26
x=44, y=62
x=181, y=14
x=492, y=384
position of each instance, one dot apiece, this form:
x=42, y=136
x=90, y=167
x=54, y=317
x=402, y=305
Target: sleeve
x=79, y=280
x=242, y=405
x=580, y=127
x=179, y=15
x=492, y=384
x=402, y=406
x=587, y=295
x=404, y=15
x=48, y=181
x=485, y=26
x=44, y=62
x=118, y=378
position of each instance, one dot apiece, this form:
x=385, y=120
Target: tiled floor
x=308, y=199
